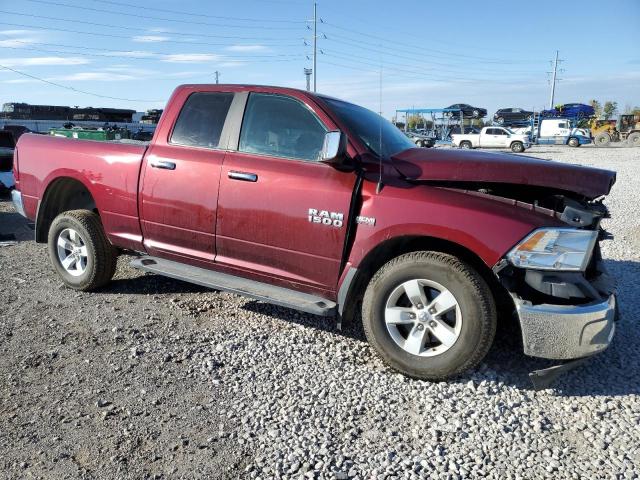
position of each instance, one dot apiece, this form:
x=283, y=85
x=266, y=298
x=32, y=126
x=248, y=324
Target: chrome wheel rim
x=72, y=252
x=423, y=317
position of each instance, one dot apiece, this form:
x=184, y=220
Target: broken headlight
x=554, y=249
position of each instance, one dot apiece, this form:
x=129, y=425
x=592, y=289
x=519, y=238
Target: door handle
x=244, y=176
x=162, y=164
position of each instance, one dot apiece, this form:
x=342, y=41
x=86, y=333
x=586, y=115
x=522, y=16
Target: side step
x=242, y=286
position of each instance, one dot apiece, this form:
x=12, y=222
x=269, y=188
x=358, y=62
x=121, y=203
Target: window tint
x=201, y=120
x=492, y=131
x=499, y=131
x=563, y=125
x=282, y=127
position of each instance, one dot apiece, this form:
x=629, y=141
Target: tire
x=420, y=143
x=602, y=139
x=573, y=142
x=79, y=233
x=500, y=120
x=466, y=144
x=634, y=139
x=475, y=114
x=517, y=147
x=434, y=273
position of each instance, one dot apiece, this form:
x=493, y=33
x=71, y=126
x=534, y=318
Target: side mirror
x=334, y=147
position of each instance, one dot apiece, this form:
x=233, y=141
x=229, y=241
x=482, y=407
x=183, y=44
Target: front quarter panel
x=485, y=226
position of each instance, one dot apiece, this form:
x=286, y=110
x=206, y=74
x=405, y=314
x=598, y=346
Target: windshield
x=368, y=125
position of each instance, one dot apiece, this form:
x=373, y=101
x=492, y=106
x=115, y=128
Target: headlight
x=555, y=249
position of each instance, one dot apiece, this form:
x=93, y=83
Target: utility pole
x=553, y=81
x=217, y=74
x=315, y=44
x=307, y=73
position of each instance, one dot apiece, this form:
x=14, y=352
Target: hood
x=435, y=165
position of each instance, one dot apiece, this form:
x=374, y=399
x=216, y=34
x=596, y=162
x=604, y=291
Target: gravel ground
x=155, y=378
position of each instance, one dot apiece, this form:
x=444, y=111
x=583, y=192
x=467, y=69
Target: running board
x=242, y=286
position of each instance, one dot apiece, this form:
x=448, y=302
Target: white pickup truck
x=492, y=137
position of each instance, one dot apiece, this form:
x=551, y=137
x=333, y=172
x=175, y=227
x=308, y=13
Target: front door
x=181, y=177
x=281, y=213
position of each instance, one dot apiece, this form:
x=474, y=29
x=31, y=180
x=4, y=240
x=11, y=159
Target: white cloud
x=95, y=76
x=16, y=42
x=247, y=48
x=150, y=38
x=232, y=64
x=130, y=53
x=190, y=58
x=12, y=33
x=42, y=61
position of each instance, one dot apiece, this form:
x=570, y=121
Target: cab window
x=281, y=126
x=201, y=120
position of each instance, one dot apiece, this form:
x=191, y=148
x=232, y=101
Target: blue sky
x=431, y=53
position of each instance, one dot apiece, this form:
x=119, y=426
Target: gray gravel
x=154, y=378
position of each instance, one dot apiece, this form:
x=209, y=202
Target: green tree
x=610, y=109
x=597, y=107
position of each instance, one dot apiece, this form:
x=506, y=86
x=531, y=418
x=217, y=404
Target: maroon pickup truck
x=320, y=205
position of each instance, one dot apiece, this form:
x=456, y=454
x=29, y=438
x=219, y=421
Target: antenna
x=379, y=186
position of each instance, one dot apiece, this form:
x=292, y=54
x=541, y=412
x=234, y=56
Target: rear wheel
x=573, y=142
x=80, y=251
x=634, y=139
x=465, y=144
x=517, y=147
x=429, y=315
x=602, y=139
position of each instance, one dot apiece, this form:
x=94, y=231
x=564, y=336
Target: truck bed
x=109, y=170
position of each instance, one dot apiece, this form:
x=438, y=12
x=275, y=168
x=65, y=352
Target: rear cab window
x=201, y=120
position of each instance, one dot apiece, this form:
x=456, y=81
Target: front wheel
x=602, y=139
x=573, y=142
x=429, y=315
x=517, y=147
x=80, y=251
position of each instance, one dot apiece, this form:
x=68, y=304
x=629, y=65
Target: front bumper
x=564, y=332
x=16, y=198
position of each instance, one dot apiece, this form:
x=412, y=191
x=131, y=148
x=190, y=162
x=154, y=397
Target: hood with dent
x=452, y=166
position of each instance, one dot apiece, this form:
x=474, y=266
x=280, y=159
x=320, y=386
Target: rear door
x=180, y=181
x=281, y=213
x=491, y=138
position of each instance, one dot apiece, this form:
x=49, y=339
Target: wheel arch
x=358, y=279
x=62, y=194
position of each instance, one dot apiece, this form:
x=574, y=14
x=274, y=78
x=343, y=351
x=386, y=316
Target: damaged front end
x=564, y=298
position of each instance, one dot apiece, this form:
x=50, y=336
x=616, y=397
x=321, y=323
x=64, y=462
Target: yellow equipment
x=626, y=128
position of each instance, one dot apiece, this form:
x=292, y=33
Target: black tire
x=477, y=308
x=101, y=256
x=420, y=143
x=466, y=144
x=602, y=139
x=573, y=142
x=500, y=120
x=517, y=147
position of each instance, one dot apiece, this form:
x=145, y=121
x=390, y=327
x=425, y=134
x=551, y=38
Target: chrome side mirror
x=334, y=147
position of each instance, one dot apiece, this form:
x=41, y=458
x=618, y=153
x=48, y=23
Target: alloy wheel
x=423, y=317
x=72, y=252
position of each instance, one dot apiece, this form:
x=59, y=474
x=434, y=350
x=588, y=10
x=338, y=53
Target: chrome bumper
x=16, y=198
x=564, y=332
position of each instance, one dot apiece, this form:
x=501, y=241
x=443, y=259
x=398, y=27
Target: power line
x=121, y=27
x=77, y=90
x=431, y=51
x=150, y=17
x=178, y=12
x=149, y=56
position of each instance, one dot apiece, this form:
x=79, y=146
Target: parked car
x=467, y=111
x=7, y=145
x=574, y=111
x=316, y=204
x=421, y=140
x=509, y=116
x=492, y=137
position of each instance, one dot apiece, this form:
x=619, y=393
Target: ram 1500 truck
x=320, y=205
x=492, y=137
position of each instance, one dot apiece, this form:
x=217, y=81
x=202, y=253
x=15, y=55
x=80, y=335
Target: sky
x=380, y=54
